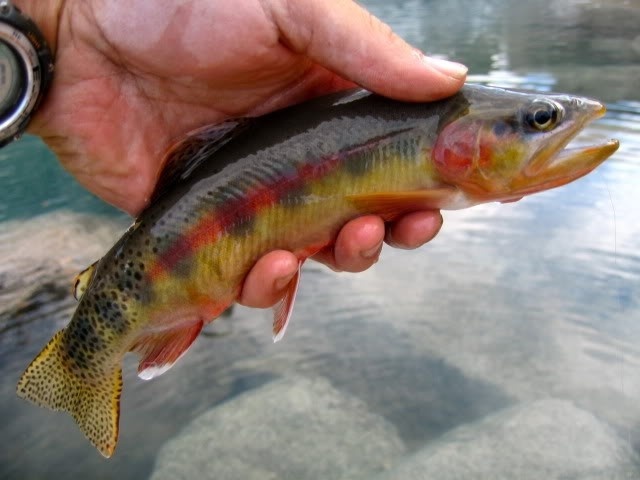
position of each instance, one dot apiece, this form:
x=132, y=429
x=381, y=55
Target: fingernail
x=282, y=282
x=372, y=252
x=451, y=69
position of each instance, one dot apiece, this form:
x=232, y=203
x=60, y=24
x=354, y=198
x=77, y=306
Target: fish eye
x=543, y=115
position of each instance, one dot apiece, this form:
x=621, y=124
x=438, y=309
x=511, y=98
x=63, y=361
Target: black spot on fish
x=242, y=225
x=294, y=196
x=182, y=268
x=212, y=200
x=358, y=164
x=145, y=296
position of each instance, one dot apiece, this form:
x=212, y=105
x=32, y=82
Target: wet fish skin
x=288, y=180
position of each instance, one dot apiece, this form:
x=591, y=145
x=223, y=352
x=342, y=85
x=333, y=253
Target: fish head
x=507, y=144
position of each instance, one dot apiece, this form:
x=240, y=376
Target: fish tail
x=94, y=404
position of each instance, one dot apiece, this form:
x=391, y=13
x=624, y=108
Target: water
x=510, y=305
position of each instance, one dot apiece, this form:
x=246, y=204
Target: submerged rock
x=39, y=258
x=294, y=428
x=547, y=439
x=51, y=248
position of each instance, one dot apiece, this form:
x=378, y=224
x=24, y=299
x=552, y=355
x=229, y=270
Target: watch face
x=11, y=78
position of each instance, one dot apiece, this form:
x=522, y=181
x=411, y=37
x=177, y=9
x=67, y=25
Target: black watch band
x=26, y=71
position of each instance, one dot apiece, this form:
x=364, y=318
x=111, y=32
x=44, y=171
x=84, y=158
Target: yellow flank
x=216, y=269
x=220, y=266
x=94, y=404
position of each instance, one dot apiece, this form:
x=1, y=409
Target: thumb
x=345, y=38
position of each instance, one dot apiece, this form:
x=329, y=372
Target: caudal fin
x=93, y=403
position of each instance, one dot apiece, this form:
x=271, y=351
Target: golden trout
x=289, y=180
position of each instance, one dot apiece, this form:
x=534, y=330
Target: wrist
x=46, y=15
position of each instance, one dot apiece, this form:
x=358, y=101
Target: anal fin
x=284, y=308
x=391, y=205
x=159, y=350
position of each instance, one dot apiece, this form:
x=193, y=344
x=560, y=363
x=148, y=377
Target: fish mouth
x=555, y=165
x=568, y=165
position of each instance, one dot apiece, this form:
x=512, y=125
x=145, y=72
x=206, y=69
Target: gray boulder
x=543, y=440
x=294, y=428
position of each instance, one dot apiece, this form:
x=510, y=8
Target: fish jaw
x=565, y=167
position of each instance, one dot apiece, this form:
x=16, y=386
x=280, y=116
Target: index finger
x=345, y=38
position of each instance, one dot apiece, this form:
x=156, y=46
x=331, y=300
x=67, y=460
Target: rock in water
x=548, y=439
x=294, y=428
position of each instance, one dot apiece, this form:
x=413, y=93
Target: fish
x=290, y=179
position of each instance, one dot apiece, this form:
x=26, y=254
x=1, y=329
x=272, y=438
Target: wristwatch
x=26, y=70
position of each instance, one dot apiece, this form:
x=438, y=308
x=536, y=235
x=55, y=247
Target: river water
x=509, y=347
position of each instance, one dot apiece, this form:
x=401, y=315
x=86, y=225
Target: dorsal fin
x=83, y=279
x=186, y=154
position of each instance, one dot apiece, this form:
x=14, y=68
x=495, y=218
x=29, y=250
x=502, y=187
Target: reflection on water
x=532, y=307
x=33, y=182
x=588, y=47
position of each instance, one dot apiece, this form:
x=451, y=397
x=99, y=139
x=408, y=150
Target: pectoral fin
x=159, y=350
x=283, y=309
x=391, y=205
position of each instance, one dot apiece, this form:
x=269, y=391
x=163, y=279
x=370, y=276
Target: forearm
x=45, y=14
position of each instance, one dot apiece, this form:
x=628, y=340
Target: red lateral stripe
x=211, y=225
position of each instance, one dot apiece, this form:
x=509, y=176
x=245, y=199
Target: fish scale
x=289, y=180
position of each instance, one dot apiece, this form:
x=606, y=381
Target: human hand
x=133, y=76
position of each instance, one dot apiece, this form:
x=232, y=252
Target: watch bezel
x=23, y=37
